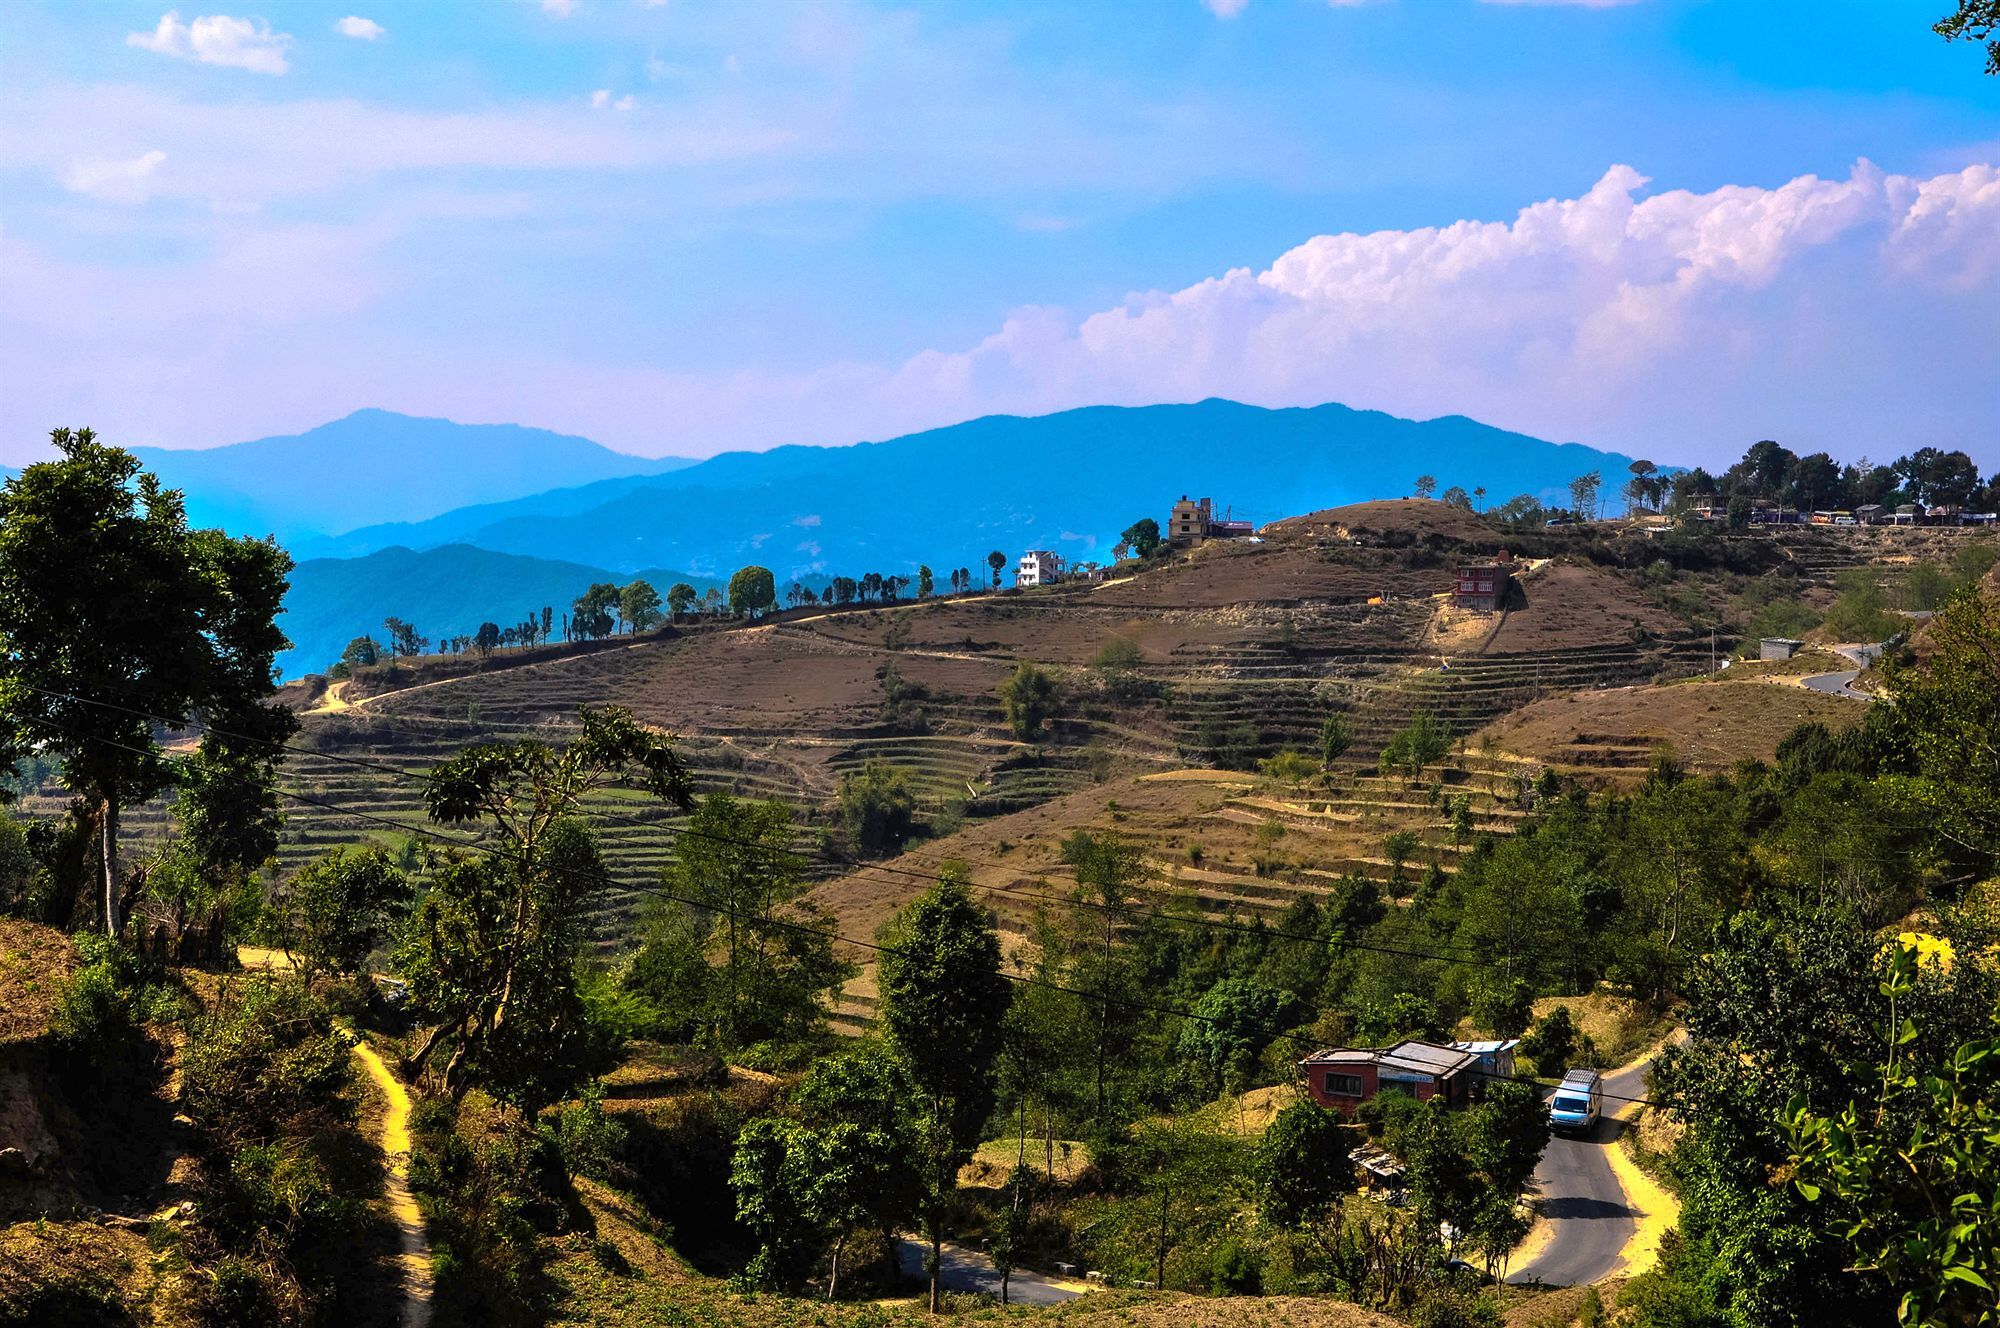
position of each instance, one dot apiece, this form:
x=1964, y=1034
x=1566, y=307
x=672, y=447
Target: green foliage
x=944, y=1007
x=590, y=617
x=491, y=951
x=1421, y=743
x=1336, y=737
x=486, y=1201
x=639, y=606
x=877, y=807
x=1551, y=1046
x=1117, y=653
x=107, y=595
x=1290, y=766
x=337, y=909
x=1141, y=538
x=752, y=590
x=1231, y=1025
x=1914, y=1175
x=680, y=598
x=1303, y=1170
x=1028, y=700
x=1861, y=613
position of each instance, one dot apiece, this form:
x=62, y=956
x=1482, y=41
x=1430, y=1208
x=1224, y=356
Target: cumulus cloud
x=1612, y=312
x=365, y=29
x=115, y=181
x=218, y=39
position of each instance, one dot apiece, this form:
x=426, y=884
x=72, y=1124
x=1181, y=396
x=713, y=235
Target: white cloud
x=558, y=8
x=365, y=29
x=218, y=39
x=1225, y=8
x=127, y=181
x=601, y=98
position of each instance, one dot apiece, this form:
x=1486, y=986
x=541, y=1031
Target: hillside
x=1068, y=482
x=376, y=465
x=444, y=591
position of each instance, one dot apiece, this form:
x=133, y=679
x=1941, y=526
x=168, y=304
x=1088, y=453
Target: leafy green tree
x=1976, y=21
x=362, y=652
x=860, y=1106
x=1183, y=1167
x=1551, y=1046
x=735, y=860
x=1028, y=699
x=878, y=808
x=944, y=1008
x=773, y=1177
x=338, y=908
x=1426, y=485
x=1234, y=1021
x=1142, y=538
x=1415, y=747
x=404, y=639
x=752, y=590
x=116, y=619
x=590, y=618
x=670, y=974
x=1336, y=737
x=1303, y=1169
x=1456, y=497
x=639, y=606
x=487, y=639
x=1108, y=870
x=998, y=562
x=1583, y=495
x=491, y=951
x=1914, y=1175
x=680, y=598
x=926, y=580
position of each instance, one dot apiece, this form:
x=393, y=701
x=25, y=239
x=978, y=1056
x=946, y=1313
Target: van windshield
x=1566, y=1103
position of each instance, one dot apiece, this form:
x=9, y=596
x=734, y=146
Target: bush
x=1235, y=1269
x=877, y=807
x=1289, y=766
x=1028, y=699
x=266, y=1063
x=590, y=1141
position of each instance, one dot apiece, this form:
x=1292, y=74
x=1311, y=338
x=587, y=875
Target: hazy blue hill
x=376, y=466
x=1068, y=482
x=446, y=591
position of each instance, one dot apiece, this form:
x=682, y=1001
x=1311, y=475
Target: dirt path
x=413, y=1264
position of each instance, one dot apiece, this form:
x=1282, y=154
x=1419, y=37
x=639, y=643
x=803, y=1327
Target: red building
x=1343, y=1078
x=1482, y=585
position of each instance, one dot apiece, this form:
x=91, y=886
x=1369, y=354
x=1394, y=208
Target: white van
x=1577, y=1103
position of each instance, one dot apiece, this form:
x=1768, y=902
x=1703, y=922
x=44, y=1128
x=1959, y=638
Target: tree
x=1303, y=1169
x=877, y=807
x=1456, y=497
x=1975, y=21
x=1479, y=497
x=944, y=1007
x=487, y=639
x=639, y=606
x=362, y=652
x=117, y=620
x=1552, y=1045
x=1107, y=870
x=1027, y=699
x=859, y=1104
x=1914, y=1175
x=339, y=908
x=590, y=617
x=1583, y=495
x=1336, y=737
x=1426, y=485
x=680, y=598
x=491, y=951
x=1642, y=480
x=997, y=561
x=404, y=640
x=711, y=601
x=1421, y=743
x=735, y=861
x=1142, y=537
x=925, y=581
x=1232, y=1024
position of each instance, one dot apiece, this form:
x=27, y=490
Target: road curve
x=970, y=1272
x=1591, y=1220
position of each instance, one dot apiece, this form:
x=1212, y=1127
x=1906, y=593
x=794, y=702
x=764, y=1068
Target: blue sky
x=686, y=227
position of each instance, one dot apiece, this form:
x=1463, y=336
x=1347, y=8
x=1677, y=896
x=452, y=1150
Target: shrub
x=1028, y=699
x=1289, y=766
x=266, y=1063
x=877, y=807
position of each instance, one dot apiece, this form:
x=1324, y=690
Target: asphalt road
x=1590, y=1221
x=970, y=1271
x=1842, y=684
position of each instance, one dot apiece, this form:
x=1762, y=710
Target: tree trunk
x=833, y=1274
x=936, y=1266
x=107, y=821
x=1160, y=1262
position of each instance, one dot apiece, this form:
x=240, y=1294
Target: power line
x=604, y=877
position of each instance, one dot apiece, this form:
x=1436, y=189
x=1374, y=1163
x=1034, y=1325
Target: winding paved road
x=1590, y=1218
x=1842, y=684
x=969, y=1271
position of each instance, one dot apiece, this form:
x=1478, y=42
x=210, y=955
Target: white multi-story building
x=1039, y=567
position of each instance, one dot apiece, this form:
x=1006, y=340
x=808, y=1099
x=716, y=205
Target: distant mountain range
x=376, y=465
x=469, y=522
x=447, y=591
x=1068, y=482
